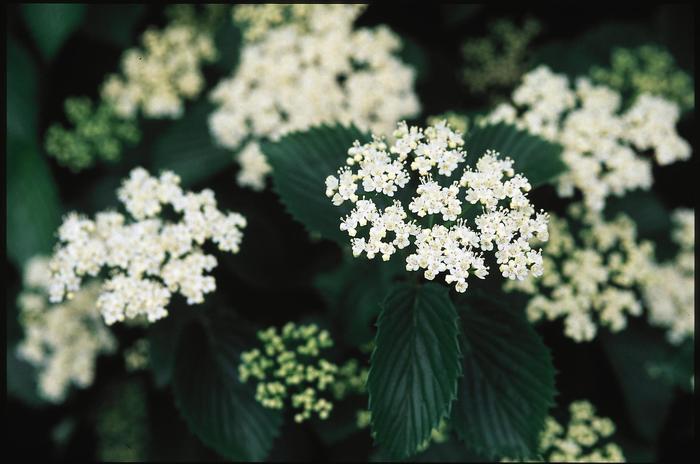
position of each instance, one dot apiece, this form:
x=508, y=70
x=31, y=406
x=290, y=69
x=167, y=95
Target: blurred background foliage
x=57, y=51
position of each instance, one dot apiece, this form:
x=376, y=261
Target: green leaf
x=414, y=366
x=51, y=24
x=188, y=149
x=507, y=385
x=163, y=338
x=675, y=368
x=647, y=398
x=534, y=157
x=217, y=407
x=228, y=40
x=353, y=293
x=21, y=92
x=113, y=23
x=301, y=161
x=21, y=379
x=575, y=57
x=414, y=54
x=33, y=209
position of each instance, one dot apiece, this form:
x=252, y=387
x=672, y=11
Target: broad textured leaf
x=353, y=293
x=114, y=23
x=188, y=149
x=415, y=55
x=534, y=157
x=163, y=338
x=301, y=161
x=217, y=407
x=33, y=210
x=575, y=57
x=52, y=23
x=414, y=367
x=21, y=92
x=507, y=385
x=228, y=41
x=647, y=399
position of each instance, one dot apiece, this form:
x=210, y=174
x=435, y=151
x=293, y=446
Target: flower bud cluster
x=290, y=365
x=453, y=246
x=647, y=69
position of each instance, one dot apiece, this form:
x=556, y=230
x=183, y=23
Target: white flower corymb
x=148, y=257
x=505, y=224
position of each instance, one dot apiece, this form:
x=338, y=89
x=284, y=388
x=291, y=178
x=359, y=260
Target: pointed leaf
x=534, y=157
x=217, y=407
x=507, y=385
x=301, y=161
x=52, y=23
x=414, y=366
x=188, y=149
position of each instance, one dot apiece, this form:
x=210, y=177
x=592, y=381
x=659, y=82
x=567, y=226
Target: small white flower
x=453, y=248
x=148, y=258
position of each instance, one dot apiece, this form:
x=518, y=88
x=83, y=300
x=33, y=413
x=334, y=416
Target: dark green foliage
x=301, y=161
x=507, y=385
x=535, y=158
x=51, y=24
x=414, y=368
x=218, y=408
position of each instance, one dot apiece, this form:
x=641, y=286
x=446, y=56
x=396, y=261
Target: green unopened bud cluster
x=647, y=69
x=289, y=365
x=497, y=62
x=98, y=133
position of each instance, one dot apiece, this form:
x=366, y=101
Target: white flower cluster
x=63, y=341
x=591, y=278
x=297, y=76
x=159, y=77
x=257, y=20
x=149, y=258
x=601, y=145
x=505, y=223
x=670, y=293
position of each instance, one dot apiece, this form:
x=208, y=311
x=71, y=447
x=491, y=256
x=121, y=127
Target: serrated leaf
x=188, y=149
x=414, y=366
x=217, y=407
x=507, y=385
x=301, y=161
x=534, y=157
x=52, y=23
